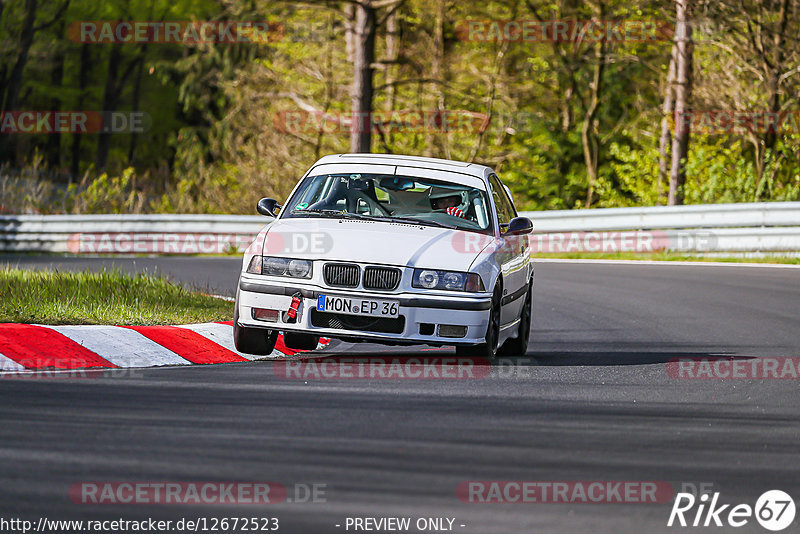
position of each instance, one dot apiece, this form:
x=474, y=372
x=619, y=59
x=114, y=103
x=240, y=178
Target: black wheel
x=298, y=341
x=519, y=345
x=487, y=349
x=256, y=341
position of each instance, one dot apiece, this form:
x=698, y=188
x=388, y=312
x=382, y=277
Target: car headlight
x=280, y=267
x=447, y=280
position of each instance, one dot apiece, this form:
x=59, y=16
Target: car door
x=513, y=255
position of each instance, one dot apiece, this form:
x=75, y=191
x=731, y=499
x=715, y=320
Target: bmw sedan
x=394, y=250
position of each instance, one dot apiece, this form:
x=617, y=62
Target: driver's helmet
x=442, y=198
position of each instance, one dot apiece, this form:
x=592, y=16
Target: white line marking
x=685, y=263
x=121, y=346
x=7, y=364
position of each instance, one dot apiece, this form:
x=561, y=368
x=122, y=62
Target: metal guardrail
x=707, y=216
x=128, y=234
x=738, y=228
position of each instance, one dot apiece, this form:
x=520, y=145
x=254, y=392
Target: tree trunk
x=137, y=96
x=683, y=92
x=588, y=134
x=392, y=55
x=436, y=140
x=362, y=89
x=83, y=81
x=110, y=98
x=14, y=84
x=774, y=76
x=25, y=42
x=137, y=91
x=569, y=90
x=56, y=79
x=390, y=72
x=4, y=67
x=666, y=133
x=350, y=31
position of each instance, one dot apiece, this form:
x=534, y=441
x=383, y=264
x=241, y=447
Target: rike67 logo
x=774, y=510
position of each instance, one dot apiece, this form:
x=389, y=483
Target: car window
x=388, y=197
x=505, y=208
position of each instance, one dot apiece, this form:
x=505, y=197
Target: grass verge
x=105, y=297
x=667, y=256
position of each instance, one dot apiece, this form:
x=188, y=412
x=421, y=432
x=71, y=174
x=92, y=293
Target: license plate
x=358, y=306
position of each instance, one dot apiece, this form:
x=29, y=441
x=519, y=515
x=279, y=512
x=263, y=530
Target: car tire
x=255, y=341
x=487, y=349
x=299, y=341
x=519, y=345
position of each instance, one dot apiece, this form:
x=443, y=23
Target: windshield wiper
x=327, y=213
x=348, y=215
x=422, y=222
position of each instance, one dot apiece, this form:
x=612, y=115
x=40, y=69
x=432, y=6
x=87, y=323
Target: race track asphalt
x=592, y=401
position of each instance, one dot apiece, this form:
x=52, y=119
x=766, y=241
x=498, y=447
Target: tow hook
x=291, y=315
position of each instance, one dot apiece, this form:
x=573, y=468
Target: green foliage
x=218, y=189
x=543, y=170
x=106, y=194
x=636, y=178
x=216, y=144
x=721, y=171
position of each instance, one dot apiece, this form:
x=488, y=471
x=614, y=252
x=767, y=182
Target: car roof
x=481, y=171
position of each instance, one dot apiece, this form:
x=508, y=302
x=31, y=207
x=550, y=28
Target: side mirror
x=268, y=206
x=519, y=226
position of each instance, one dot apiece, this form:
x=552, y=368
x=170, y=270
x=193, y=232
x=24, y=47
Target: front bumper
x=416, y=309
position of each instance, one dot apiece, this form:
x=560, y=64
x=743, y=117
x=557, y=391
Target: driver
x=455, y=203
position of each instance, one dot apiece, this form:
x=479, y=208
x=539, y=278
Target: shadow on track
x=533, y=358
x=613, y=359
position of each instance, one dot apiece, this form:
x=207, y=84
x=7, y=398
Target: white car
x=394, y=250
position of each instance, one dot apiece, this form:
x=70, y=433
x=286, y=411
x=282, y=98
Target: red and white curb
x=25, y=347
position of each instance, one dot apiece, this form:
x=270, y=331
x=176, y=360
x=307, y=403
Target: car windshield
x=392, y=198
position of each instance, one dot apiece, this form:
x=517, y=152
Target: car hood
x=398, y=244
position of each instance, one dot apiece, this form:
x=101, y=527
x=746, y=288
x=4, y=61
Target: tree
x=367, y=17
x=588, y=130
x=683, y=92
x=11, y=87
x=570, y=122
x=667, y=121
x=759, y=39
x=363, y=38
